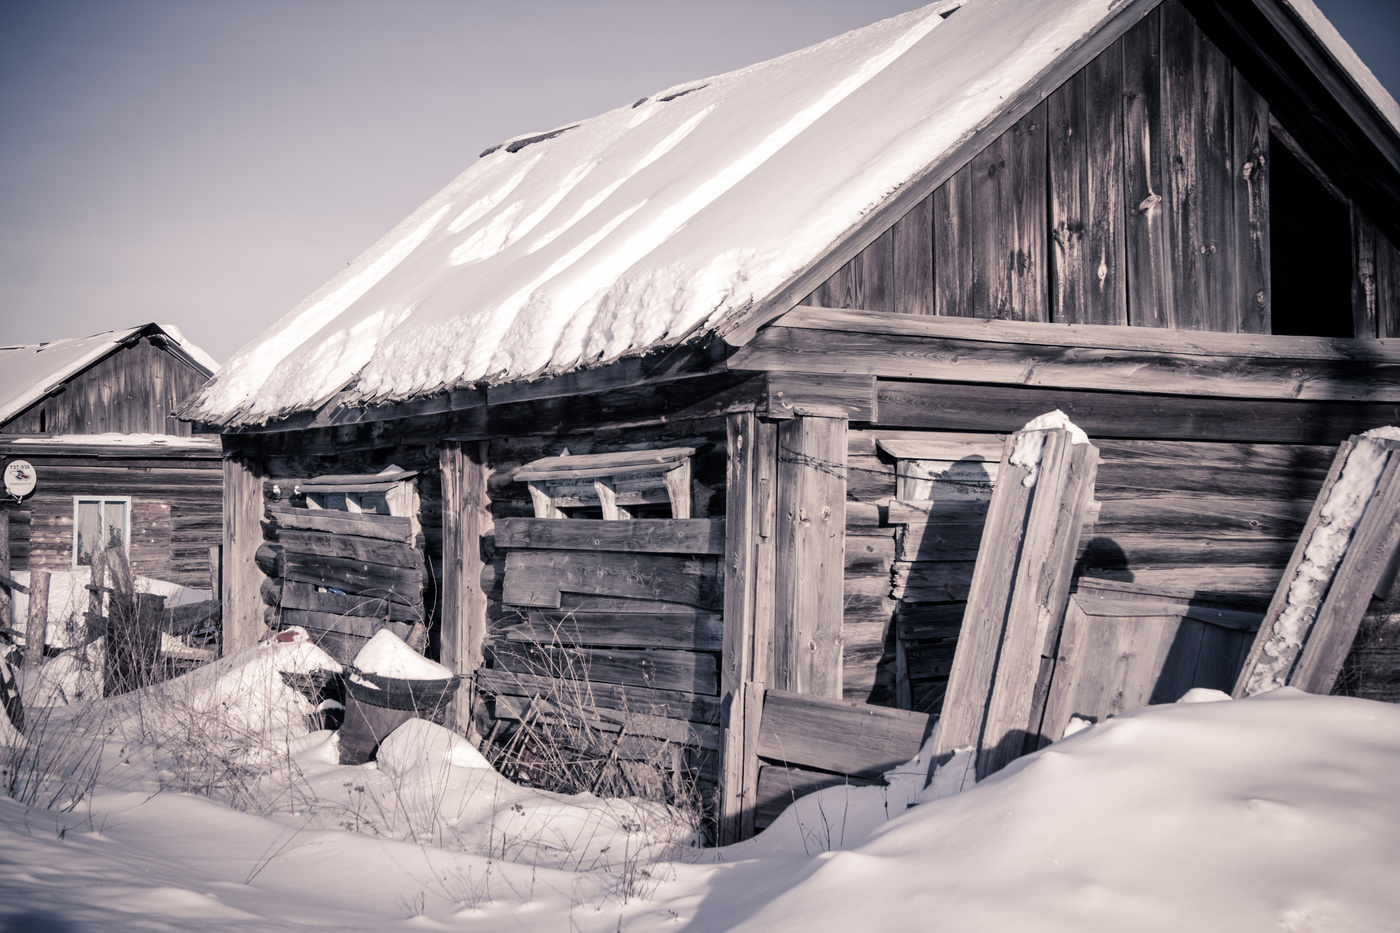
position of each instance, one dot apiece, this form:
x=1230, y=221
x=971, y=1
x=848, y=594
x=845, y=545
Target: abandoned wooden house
x=704, y=399
x=94, y=418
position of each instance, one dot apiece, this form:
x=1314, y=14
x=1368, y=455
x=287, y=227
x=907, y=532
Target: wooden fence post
x=466, y=516
x=4, y=565
x=1020, y=587
x=36, y=628
x=736, y=664
x=97, y=581
x=1314, y=615
x=811, y=543
x=243, y=512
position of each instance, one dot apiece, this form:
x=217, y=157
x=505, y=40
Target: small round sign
x=19, y=478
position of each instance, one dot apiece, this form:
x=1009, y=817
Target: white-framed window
x=99, y=522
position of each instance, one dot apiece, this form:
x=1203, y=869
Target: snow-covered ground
x=216, y=808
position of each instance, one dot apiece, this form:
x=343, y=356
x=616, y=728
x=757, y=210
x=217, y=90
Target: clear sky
x=210, y=163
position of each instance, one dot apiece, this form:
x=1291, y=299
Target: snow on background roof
x=28, y=372
x=651, y=222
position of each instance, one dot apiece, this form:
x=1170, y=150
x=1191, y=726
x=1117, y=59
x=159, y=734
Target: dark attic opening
x=1310, y=242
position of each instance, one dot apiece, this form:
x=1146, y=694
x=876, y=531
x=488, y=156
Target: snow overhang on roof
x=30, y=372
x=666, y=219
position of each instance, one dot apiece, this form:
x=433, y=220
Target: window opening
x=99, y=523
x=1310, y=249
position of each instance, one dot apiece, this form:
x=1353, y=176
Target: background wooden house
x=828, y=286
x=94, y=416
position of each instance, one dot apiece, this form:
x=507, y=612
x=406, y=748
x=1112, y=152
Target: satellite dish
x=19, y=478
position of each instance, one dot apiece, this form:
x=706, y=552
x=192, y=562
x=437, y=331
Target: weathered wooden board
x=384, y=527
x=964, y=509
x=830, y=394
x=696, y=630
x=351, y=547
x=341, y=624
x=616, y=463
x=663, y=669
x=536, y=577
x=1202, y=515
x=810, y=542
x=304, y=596
x=844, y=736
x=779, y=787
x=399, y=584
x=679, y=731
x=674, y=704
x=952, y=406
x=938, y=356
x=913, y=261
x=646, y=535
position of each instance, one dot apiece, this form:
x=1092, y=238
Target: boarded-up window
x=99, y=523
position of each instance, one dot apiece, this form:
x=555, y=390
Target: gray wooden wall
x=1137, y=193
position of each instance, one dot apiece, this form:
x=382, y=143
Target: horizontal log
x=676, y=731
x=832, y=393
x=695, y=631
x=537, y=578
x=932, y=581
x=1304, y=458
x=1213, y=580
x=353, y=547
x=1119, y=480
x=384, y=527
x=869, y=553
x=181, y=620
x=962, y=509
x=342, y=625
x=780, y=787
x=270, y=591
x=838, y=735
x=920, y=623
x=973, y=407
x=864, y=518
x=358, y=577
x=951, y=348
x=689, y=671
x=1204, y=515
x=674, y=704
x=647, y=535
x=1133, y=551
x=304, y=596
x=940, y=541
x=268, y=557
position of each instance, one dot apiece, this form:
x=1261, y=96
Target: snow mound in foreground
x=1280, y=812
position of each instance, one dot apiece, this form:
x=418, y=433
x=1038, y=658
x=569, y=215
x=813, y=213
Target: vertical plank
x=1250, y=138
x=753, y=723
x=466, y=517
x=765, y=560
x=1085, y=148
x=984, y=618
x=1009, y=221
x=1108, y=299
x=875, y=286
x=1067, y=142
x=1038, y=596
x=1363, y=274
x=216, y=571
x=1387, y=287
x=736, y=660
x=912, y=277
x=811, y=533
x=1373, y=544
x=952, y=244
x=1197, y=94
x=4, y=566
x=243, y=512
x=36, y=627
x=1145, y=211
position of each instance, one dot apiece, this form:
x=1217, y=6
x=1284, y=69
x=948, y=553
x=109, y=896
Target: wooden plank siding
x=136, y=390
x=176, y=509
x=1136, y=193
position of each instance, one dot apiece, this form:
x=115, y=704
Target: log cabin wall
x=1141, y=192
x=133, y=391
x=176, y=510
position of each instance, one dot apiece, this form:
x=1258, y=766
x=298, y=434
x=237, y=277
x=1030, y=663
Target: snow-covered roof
x=662, y=219
x=29, y=372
